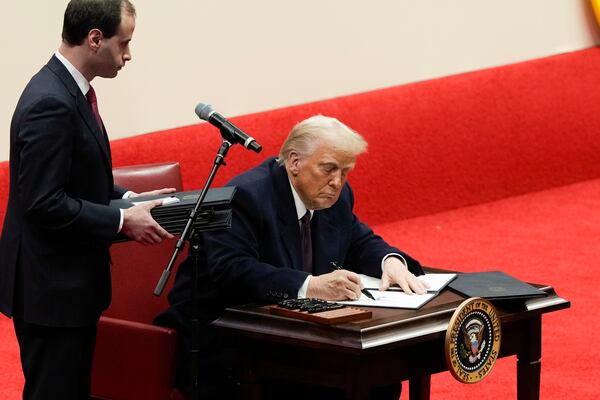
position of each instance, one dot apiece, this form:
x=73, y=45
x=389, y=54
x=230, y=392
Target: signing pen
x=335, y=265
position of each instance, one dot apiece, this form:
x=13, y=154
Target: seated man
x=292, y=217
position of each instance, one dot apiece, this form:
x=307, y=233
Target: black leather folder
x=494, y=285
x=215, y=212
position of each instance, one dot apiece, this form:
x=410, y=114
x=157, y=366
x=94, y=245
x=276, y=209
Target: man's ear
x=293, y=163
x=95, y=37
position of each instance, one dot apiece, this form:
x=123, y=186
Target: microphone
x=231, y=132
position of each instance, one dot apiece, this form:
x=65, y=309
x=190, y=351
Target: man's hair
x=81, y=16
x=310, y=133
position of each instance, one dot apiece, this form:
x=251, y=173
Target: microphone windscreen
x=203, y=111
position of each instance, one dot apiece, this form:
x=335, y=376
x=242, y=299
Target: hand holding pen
x=364, y=291
x=336, y=285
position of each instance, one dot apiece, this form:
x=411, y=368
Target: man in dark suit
x=54, y=249
x=272, y=252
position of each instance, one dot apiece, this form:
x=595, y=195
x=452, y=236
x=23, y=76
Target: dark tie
x=93, y=102
x=307, y=256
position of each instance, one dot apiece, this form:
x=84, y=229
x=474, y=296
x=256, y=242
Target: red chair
x=135, y=359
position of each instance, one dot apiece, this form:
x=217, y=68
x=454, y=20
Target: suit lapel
x=95, y=129
x=84, y=108
x=289, y=227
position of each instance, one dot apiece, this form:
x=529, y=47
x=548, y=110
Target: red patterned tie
x=93, y=101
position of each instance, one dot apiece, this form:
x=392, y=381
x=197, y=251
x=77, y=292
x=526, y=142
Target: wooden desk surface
x=387, y=327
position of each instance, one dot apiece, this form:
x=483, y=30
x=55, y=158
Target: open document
x=394, y=297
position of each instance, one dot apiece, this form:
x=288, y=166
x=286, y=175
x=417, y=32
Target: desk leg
x=529, y=365
x=419, y=388
x=250, y=386
x=357, y=387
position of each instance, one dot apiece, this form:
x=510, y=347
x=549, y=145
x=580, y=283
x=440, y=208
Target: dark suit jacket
x=54, y=260
x=259, y=258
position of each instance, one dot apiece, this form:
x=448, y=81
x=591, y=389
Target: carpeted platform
x=548, y=237
x=494, y=169
x=557, y=235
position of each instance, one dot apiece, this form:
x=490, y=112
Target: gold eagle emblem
x=473, y=337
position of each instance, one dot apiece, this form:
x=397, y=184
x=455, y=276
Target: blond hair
x=306, y=135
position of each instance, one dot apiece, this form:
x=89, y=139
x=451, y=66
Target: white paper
x=394, y=297
x=391, y=299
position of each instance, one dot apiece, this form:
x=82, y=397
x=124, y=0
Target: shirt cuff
x=121, y=221
x=304, y=288
x=394, y=255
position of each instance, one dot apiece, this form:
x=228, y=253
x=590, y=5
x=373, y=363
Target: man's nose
x=336, y=179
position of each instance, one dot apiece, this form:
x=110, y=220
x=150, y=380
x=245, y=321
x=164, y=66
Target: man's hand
x=395, y=272
x=336, y=285
x=139, y=225
x=153, y=192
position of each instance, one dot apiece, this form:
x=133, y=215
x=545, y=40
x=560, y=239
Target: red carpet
x=11, y=377
x=548, y=237
x=556, y=239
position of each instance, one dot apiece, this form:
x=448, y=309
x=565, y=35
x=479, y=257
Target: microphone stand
x=194, y=237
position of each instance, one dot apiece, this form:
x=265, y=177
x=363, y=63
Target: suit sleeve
x=118, y=192
x=367, y=249
x=46, y=142
x=233, y=255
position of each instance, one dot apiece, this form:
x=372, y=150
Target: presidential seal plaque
x=473, y=340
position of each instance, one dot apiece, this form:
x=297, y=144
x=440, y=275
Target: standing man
x=54, y=249
x=292, y=217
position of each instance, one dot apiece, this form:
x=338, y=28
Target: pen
x=364, y=291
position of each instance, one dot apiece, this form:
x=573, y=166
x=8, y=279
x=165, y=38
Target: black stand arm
x=185, y=235
x=193, y=236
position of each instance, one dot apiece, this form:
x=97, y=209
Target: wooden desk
x=394, y=345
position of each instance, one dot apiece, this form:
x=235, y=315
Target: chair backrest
x=135, y=268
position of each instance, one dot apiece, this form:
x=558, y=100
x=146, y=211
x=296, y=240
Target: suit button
x=285, y=296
